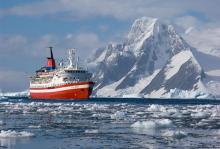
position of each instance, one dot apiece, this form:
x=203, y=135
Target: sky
x=28, y=27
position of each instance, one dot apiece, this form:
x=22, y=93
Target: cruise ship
x=70, y=81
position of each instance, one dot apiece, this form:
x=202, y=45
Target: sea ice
x=1, y=122
x=156, y=124
x=200, y=115
x=14, y=134
x=118, y=115
x=34, y=126
x=174, y=134
x=16, y=94
x=154, y=108
x=91, y=131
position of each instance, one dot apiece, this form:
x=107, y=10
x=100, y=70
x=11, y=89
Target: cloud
x=206, y=39
x=13, y=80
x=35, y=50
x=118, y=9
x=187, y=21
x=85, y=41
x=204, y=36
x=12, y=43
x=103, y=27
x=38, y=47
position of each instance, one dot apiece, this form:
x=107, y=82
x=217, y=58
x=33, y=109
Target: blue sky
x=27, y=27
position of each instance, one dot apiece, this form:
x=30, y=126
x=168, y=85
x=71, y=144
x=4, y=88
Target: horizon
x=28, y=28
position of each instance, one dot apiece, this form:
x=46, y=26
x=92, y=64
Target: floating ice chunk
x=2, y=97
x=177, y=115
x=16, y=94
x=174, y=134
x=1, y=122
x=200, y=115
x=156, y=108
x=162, y=123
x=14, y=134
x=100, y=115
x=151, y=127
x=95, y=107
x=153, y=108
x=42, y=110
x=34, y=126
x=144, y=125
x=91, y=131
x=118, y=115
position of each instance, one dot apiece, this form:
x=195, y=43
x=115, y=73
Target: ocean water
x=109, y=123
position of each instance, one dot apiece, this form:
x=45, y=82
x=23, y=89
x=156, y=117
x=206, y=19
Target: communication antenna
x=77, y=61
x=71, y=57
x=61, y=63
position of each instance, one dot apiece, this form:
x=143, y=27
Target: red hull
x=69, y=91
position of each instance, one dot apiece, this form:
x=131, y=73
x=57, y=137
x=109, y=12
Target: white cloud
x=119, y=9
x=206, y=39
x=85, y=43
x=204, y=36
x=188, y=21
x=39, y=46
x=13, y=80
x=11, y=44
x=103, y=27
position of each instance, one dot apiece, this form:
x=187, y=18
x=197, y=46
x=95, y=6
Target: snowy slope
x=211, y=66
x=153, y=61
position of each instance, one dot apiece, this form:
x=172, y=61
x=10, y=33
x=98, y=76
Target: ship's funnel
x=50, y=60
x=51, y=52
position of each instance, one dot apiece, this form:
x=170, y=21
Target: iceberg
x=14, y=134
x=178, y=93
x=15, y=94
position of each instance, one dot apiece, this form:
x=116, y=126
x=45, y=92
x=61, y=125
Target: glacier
x=153, y=62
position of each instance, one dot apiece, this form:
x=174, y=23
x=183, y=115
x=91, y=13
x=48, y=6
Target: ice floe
x=34, y=126
x=174, y=134
x=153, y=124
x=16, y=94
x=200, y=115
x=91, y=131
x=14, y=134
x=118, y=115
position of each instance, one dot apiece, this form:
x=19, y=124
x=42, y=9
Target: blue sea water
x=109, y=123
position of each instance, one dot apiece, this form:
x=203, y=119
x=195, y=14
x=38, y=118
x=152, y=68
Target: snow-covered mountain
x=154, y=61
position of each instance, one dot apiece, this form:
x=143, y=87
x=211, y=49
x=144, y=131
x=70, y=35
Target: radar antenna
x=71, y=58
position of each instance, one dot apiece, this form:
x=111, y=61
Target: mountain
x=154, y=61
